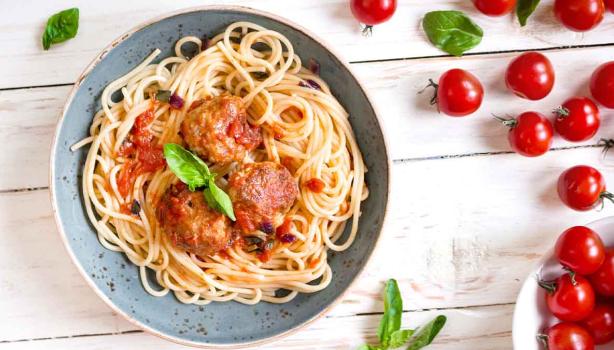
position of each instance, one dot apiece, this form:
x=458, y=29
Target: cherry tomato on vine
x=603, y=278
x=569, y=298
x=580, y=249
x=602, y=84
x=372, y=12
x=600, y=323
x=530, y=76
x=495, y=7
x=567, y=336
x=582, y=188
x=577, y=119
x=609, y=4
x=579, y=15
x=530, y=134
x=459, y=93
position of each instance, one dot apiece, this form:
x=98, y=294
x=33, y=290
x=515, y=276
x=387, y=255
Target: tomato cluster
x=580, y=298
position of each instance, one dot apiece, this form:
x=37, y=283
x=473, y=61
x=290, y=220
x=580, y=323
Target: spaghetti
x=303, y=127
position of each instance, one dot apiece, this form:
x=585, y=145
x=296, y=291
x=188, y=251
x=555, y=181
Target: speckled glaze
x=116, y=280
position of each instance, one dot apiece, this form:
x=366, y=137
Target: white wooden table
x=468, y=218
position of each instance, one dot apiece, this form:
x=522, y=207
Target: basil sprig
x=452, y=31
x=192, y=171
x=61, y=27
x=389, y=332
x=524, y=9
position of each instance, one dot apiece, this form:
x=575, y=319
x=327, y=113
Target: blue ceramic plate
x=116, y=280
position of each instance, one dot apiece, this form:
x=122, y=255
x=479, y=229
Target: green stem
x=543, y=339
x=509, y=122
x=433, y=85
x=367, y=30
x=549, y=286
x=561, y=112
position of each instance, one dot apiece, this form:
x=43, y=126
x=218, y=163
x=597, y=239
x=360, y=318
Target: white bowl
x=531, y=315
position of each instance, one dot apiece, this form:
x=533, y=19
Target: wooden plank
x=24, y=63
x=467, y=237
x=482, y=328
x=414, y=128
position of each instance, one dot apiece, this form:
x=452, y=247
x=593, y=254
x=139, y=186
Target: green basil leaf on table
x=424, y=335
x=221, y=199
x=393, y=309
x=190, y=169
x=61, y=27
x=524, y=9
x=400, y=337
x=368, y=347
x=452, y=31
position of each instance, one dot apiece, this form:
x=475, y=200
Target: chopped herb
x=260, y=75
x=135, y=208
x=60, y=27
x=163, y=95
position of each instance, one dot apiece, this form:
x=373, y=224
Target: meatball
x=259, y=192
x=191, y=224
x=216, y=128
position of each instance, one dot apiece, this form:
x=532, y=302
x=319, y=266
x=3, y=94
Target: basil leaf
x=424, y=335
x=452, y=31
x=190, y=169
x=524, y=9
x=61, y=27
x=400, y=337
x=214, y=194
x=393, y=307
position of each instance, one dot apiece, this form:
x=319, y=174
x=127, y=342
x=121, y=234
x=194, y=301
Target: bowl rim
x=526, y=284
x=52, y=182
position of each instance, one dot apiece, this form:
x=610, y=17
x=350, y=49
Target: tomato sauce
x=143, y=153
x=315, y=185
x=313, y=263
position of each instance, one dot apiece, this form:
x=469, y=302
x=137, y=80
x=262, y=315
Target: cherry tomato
x=577, y=119
x=495, y=7
x=579, y=15
x=603, y=279
x=459, y=93
x=530, y=134
x=569, y=299
x=580, y=249
x=600, y=323
x=582, y=188
x=568, y=336
x=372, y=12
x=530, y=76
x=609, y=4
x=602, y=84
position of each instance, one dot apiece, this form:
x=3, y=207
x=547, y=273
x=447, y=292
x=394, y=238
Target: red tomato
x=495, y=7
x=459, y=93
x=577, y=119
x=372, y=12
x=609, y=4
x=569, y=300
x=580, y=249
x=602, y=84
x=530, y=76
x=569, y=336
x=530, y=134
x=579, y=15
x=600, y=323
x=581, y=187
x=603, y=279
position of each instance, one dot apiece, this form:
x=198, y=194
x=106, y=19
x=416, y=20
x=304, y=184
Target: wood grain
x=467, y=237
x=24, y=63
x=414, y=128
x=480, y=328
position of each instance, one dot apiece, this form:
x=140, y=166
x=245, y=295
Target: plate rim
x=52, y=182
